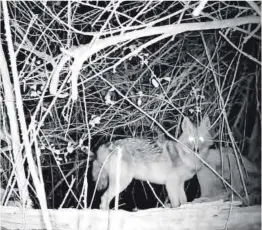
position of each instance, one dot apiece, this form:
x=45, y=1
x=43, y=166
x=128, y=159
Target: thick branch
x=19, y=104
x=87, y=51
x=81, y=53
x=9, y=100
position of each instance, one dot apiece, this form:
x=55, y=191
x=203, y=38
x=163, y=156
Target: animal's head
x=197, y=139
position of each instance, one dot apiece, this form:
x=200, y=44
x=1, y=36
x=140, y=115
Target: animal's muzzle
x=196, y=150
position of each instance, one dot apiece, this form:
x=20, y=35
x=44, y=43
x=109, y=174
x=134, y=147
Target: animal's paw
x=202, y=200
x=223, y=196
x=168, y=205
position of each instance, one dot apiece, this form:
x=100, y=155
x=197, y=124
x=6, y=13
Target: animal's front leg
x=105, y=201
x=182, y=194
x=172, y=187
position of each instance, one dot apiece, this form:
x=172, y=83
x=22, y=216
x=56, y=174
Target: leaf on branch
x=94, y=120
x=191, y=111
x=155, y=83
x=33, y=94
x=66, y=117
x=198, y=109
x=108, y=100
x=33, y=87
x=139, y=101
x=144, y=62
x=166, y=79
x=70, y=147
x=160, y=96
x=140, y=93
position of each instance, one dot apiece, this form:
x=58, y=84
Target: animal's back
x=136, y=154
x=133, y=149
x=145, y=159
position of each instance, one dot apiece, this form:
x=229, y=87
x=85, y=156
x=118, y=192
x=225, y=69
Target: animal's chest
x=185, y=173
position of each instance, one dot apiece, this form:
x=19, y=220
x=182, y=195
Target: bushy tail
x=100, y=175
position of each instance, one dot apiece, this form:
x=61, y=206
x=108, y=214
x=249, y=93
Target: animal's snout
x=196, y=150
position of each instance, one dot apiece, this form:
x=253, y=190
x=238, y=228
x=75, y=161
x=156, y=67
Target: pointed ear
x=205, y=122
x=187, y=125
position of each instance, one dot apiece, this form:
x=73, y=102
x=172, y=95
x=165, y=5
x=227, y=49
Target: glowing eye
x=201, y=139
x=191, y=139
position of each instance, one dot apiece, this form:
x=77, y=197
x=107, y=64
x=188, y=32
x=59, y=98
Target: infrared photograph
x=125, y=115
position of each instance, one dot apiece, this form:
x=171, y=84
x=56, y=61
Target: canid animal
x=224, y=162
x=168, y=162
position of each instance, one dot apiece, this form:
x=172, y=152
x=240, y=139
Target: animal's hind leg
x=124, y=179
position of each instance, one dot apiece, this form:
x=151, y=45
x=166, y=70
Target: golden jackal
x=224, y=162
x=170, y=163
